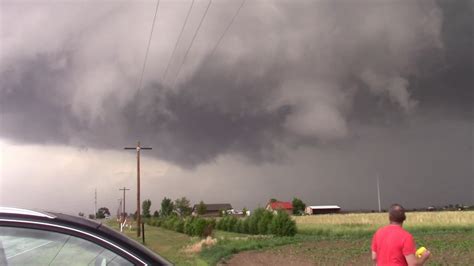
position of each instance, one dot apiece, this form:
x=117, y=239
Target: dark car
x=46, y=238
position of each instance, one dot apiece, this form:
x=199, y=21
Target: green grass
x=228, y=247
x=169, y=244
x=447, y=249
x=331, y=239
x=353, y=231
x=224, y=234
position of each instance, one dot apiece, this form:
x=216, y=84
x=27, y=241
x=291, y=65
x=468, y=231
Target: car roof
x=79, y=223
x=54, y=217
x=18, y=211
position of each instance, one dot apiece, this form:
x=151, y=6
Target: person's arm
x=374, y=249
x=409, y=250
x=412, y=260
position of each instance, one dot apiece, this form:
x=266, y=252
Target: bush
x=179, y=226
x=245, y=226
x=189, y=226
x=169, y=223
x=200, y=226
x=253, y=221
x=283, y=225
x=158, y=222
x=192, y=226
x=212, y=223
x=227, y=223
x=263, y=224
x=231, y=224
x=219, y=224
x=222, y=223
x=260, y=222
x=238, y=226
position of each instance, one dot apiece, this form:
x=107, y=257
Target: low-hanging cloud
x=284, y=72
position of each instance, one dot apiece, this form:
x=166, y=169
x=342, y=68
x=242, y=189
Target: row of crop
x=192, y=226
x=261, y=222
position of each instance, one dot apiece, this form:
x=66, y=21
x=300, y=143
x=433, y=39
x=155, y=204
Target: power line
x=177, y=41
x=192, y=41
x=227, y=28
x=148, y=47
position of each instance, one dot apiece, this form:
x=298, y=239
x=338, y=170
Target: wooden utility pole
x=95, y=203
x=138, y=148
x=119, y=210
x=123, y=204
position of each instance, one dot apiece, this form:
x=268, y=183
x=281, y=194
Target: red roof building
x=280, y=205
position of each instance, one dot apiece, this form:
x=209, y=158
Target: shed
x=322, y=209
x=213, y=210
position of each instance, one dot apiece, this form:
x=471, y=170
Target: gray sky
x=311, y=99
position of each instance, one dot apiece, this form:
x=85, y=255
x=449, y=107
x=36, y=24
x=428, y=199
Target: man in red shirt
x=392, y=245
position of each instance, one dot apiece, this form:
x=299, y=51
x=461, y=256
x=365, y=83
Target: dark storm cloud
x=448, y=84
x=300, y=73
x=212, y=114
x=33, y=109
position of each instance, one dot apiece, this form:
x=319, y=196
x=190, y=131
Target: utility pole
x=95, y=202
x=138, y=148
x=123, y=206
x=378, y=192
x=119, y=209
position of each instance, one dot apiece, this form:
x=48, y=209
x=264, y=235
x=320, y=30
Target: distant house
x=280, y=205
x=213, y=210
x=322, y=209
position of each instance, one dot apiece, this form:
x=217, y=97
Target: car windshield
x=22, y=246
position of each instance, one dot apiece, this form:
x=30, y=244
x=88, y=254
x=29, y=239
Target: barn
x=322, y=209
x=280, y=205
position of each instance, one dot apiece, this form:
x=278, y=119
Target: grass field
x=324, y=239
x=451, y=218
x=364, y=224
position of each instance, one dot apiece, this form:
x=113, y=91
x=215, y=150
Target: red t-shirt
x=392, y=243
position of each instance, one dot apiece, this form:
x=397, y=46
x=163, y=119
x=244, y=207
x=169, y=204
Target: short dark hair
x=397, y=213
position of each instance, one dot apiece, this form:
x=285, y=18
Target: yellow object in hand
x=420, y=252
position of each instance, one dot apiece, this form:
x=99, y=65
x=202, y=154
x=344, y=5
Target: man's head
x=396, y=214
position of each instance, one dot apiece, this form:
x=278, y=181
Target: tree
x=244, y=211
x=167, y=207
x=102, y=213
x=282, y=225
x=298, y=206
x=201, y=208
x=146, y=208
x=182, y=206
x=156, y=214
x=272, y=200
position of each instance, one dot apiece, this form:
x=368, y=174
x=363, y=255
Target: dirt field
x=310, y=253
x=446, y=248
